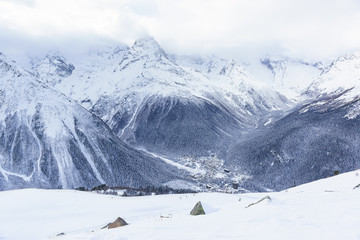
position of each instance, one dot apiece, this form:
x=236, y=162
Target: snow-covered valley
x=325, y=209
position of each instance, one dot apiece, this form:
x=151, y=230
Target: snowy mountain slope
x=316, y=141
x=147, y=88
x=210, y=66
x=324, y=209
x=342, y=75
x=86, y=69
x=287, y=75
x=337, y=87
x=52, y=69
x=49, y=141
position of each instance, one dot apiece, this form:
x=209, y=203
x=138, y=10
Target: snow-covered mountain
x=316, y=140
x=52, y=69
x=289, y=76
x=210, y=66
x=154, y=102
x=204, y=115
x=337, y=87
x=48, y=140
x=343, y=74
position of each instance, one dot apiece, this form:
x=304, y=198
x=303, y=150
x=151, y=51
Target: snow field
x=326, y=209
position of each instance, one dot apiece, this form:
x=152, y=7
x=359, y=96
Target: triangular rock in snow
x=197, y=210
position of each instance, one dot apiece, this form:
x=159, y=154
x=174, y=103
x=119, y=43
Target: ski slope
x=326, y=209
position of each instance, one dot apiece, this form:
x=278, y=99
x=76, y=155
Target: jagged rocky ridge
x=47, y=140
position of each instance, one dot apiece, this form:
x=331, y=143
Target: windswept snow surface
x=326, y=209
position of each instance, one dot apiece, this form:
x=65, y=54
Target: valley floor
x=326, y=209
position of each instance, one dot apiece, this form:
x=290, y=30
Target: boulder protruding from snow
x=197, y=210
x=119, y=222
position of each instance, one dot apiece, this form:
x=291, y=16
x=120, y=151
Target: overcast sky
x=300, y=28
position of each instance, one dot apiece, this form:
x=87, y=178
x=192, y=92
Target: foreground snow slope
x=326, y=209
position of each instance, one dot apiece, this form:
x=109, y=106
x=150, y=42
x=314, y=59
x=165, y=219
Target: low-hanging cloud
x=300, y=28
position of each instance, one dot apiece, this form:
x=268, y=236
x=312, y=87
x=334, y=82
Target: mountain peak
x=342, y=74
x=145, y=49
x=344, y=62
x=146, y=40
x=8, y=66
x=233, y=70
x=5, y=59
x=55, y=59
x=228, y=68
x=350, y=56
x=53, y=68
x=148, y=48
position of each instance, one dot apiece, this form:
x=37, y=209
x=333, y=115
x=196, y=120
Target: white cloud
x=66, y=17
x=307, y=28
x=304, y=28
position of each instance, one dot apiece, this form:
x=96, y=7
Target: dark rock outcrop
x=197, y=210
